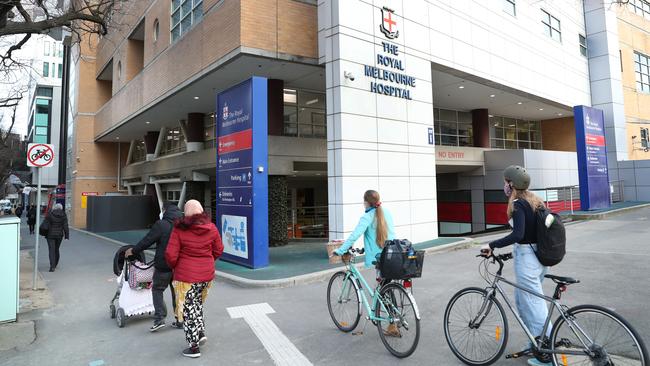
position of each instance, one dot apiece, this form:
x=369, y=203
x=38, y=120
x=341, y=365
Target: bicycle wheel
x=343, y=301
x=480, y=344
x=401, y=334
x=609, y=337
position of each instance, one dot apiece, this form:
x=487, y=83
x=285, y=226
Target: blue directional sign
x=592, y=158
x=242, y=180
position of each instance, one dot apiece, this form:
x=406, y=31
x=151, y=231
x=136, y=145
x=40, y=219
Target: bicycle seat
x=562, y=280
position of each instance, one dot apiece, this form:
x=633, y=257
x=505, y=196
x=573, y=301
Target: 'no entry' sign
x=40, y=155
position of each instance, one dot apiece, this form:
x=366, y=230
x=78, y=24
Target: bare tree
x=11, y=150
x=23, y=18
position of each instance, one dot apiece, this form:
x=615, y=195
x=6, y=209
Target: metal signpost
x=39, y=156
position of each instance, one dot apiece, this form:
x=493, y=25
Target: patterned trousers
x=193, y=295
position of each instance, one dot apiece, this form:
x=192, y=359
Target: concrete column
x=377, y=135
x=150, y=141
x=194, y=129
x=481, y=128
x=605, y=75
x=276, y=107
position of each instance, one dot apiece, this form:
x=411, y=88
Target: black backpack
x=551, y=241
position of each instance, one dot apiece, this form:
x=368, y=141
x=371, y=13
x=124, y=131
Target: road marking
x=96, y=363
x=279, y=347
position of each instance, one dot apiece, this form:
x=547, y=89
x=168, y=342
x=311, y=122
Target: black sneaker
x=176, y=324
x=192, y=352
x=156, y=326
x=202, y=338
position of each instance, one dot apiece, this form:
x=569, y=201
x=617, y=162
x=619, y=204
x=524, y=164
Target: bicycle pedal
x=357, y=333
x=519, y=354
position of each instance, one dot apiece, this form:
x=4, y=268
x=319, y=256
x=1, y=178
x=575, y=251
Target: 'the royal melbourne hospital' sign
x=390, y=68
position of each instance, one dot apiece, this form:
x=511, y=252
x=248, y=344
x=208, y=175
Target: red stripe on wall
x=455, y=211
x=496, y=213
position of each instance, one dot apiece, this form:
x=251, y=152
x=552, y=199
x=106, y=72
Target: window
x=173, y=142
x=551, y=26
x=172, y=196
x=583, y=44
x=645, y=136
x=46, y=69
x=453, y=128
x=156, y=30
x=44, y=92
x=304, y=113
x=641, y=63
x=119, y=70
x=510, y=7
x=60, y=71
x=139, y=152
x=640, y=7
x=185, y=14
x=511, y=133
x=47, y=48
x=60, y=49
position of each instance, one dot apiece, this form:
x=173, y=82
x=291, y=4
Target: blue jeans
x=529, y=274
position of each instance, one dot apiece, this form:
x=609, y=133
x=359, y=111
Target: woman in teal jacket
x=376, y=225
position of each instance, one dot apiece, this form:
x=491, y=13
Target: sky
x=30, y=51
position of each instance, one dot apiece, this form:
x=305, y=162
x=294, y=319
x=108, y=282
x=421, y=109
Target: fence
x=559, y=199
x=617, y=191
x=308, y=222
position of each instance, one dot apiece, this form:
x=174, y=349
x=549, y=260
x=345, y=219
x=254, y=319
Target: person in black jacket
x=31, y=218
x=58, y=229
x=529, y=272
x=162, y=276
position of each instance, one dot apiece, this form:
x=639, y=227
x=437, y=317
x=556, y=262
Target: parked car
x=5, y=207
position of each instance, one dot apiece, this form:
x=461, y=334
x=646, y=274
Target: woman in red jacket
x=194, y=246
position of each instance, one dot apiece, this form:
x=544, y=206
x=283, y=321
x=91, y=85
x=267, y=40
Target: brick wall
x=559, y=134
x=166, y=68
x=280, y=26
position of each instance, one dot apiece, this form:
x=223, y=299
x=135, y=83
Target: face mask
x=507, y=189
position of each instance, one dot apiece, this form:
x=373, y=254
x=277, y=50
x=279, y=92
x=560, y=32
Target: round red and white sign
x=40, y=155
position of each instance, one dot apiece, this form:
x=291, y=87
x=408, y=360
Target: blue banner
x=242, y=180
x=592, y=158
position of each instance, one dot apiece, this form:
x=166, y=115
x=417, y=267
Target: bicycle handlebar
x=500, y=258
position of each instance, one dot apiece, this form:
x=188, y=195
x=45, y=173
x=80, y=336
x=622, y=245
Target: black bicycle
x=39, y=154
x=476, y=327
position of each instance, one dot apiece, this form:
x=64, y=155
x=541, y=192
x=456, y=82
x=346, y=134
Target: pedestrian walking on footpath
x=529, y=272
x=19, y=211
x=31, y=218
x=56, y=224
x=162, y=275
x=193, y=248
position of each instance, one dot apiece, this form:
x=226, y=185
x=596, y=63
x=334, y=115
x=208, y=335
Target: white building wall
x=380, y=142
x=480, y=38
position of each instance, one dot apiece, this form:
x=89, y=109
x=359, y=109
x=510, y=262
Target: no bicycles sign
x=40, y=155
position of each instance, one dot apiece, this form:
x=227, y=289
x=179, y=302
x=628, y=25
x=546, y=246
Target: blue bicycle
x=392, y=308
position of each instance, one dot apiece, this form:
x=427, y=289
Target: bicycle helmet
x=517, y=176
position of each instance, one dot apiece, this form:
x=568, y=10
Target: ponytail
x=382, y=231
x=372, y=197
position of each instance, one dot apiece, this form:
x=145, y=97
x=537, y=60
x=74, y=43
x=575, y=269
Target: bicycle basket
x=398, y=260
